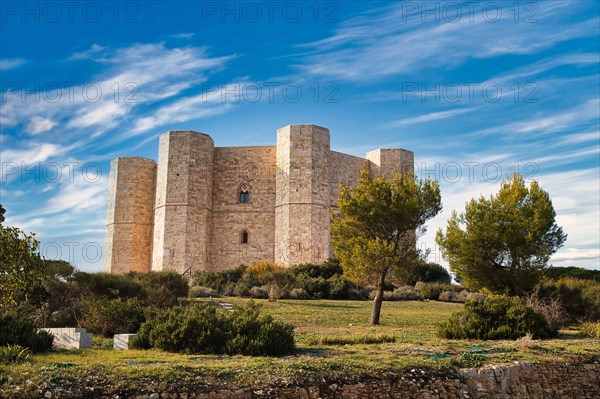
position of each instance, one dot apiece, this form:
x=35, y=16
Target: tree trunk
x=378, y=300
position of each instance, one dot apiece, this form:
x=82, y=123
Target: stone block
x=121, y=341
x=70, y=338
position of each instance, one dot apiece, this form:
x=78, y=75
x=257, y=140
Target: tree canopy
x=374, y=234
x=503, y=243
x=22, y=269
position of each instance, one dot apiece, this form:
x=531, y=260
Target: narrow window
x=244, y=237
x=244, y=197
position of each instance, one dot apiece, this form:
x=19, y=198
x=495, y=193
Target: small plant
x=433, y=291
x=17, y=328
x=550, y=308
x=203, y=292
x=14, y=354
x=469, y=359
x=591, y=330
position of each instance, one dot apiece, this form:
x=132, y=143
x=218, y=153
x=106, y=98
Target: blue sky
x=476, y=90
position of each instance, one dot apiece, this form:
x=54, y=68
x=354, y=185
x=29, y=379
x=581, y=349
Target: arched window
x=244, y=237
x=244, y=193
x=244, y=197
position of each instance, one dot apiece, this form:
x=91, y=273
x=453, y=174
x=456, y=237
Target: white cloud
x=38, y=125
x=11, y=63
x=427, y=117
x=90, y=53
x=386, y=43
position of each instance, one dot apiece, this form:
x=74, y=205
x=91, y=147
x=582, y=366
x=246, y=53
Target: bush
x=550, y=308
x=359, y=293
x=219, y=281
x=591, y=330
x=18, y=328
x=161, y=289
x=299, y=293
x=405, y=293
x=428, y=273
x=108, y=317
x=579, y=298
x=556, y=273
x=204, y=329
x=433, y=291
x=452, y=296
x=14, y=354
x=109, y=285
x=203, y=292
x=259, y=293
x=496, y=317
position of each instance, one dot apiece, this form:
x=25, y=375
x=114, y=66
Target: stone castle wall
x=185, y=214
x=130, y=217
x=255, y=168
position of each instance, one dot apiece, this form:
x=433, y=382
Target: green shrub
x=299, y=293
x=161, y=289
x=591, y=330
x=204, y=329
x=219, y=281
x=203, y=292
x=14, y=354
x=259, y=293
x=325, y=270
x=556, y=273
x=496, y=317
x=452, y=296
x=579, y=298
x=432, y=291
x=18, y=328
x=428, y=273
x=109, y=285
x=405, y=293
x=108, y=317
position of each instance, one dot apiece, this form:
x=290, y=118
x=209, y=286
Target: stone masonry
x=214, y=208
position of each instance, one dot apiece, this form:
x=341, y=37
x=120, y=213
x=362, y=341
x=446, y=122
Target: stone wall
x=302, y=195
x=183, y=209
x=518, y=381
x=130, y=215
x=254, y=169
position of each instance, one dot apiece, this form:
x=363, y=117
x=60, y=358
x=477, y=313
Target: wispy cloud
x=434, y=116
x=11, y=63
x=386, y=43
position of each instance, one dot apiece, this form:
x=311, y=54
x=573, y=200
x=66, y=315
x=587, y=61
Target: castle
x=213, y=208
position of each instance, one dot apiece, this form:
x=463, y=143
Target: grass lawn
x=328, y=336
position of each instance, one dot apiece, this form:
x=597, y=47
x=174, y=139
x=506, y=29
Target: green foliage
x=496, y=317
x=503, y=243
x=17, y=328
x=2, y=212
x=107, y=317
x=428, y=273
x=591, y=330
x=14, y=354
x=219, y=281
x=433, y=291
x=375, y=231
x=579, y=298
x=203, y=292
x=556, y=273
x=325, y=270
x=469, y=359
x=22, y=270
x=161, y=289
x=109, y=285
x=204, y=329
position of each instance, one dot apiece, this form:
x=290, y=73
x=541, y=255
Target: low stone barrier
x=70, y=338
x=518, y=381
x=121, y=341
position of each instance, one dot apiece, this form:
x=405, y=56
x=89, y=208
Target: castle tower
x=302, y=195
x=183, y=208
x=129, y=220
x=390, y=160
